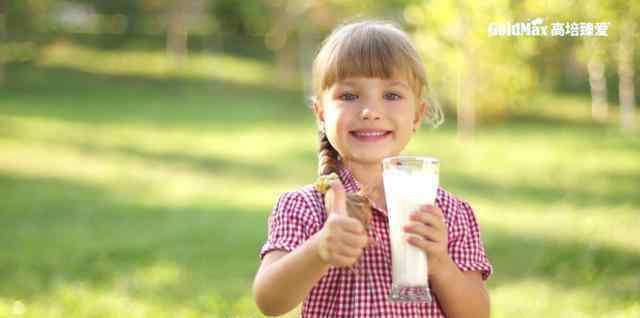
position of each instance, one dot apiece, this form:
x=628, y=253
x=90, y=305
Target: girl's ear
x=421, y=110
x=318, y=110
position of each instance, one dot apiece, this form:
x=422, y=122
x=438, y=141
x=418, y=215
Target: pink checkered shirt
x=342, y=292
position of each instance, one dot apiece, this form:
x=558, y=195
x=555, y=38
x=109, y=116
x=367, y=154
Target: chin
x=370, y=158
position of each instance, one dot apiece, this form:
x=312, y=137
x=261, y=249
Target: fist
x=342, y=238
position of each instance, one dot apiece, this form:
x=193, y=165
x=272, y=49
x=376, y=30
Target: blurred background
x=143, y=144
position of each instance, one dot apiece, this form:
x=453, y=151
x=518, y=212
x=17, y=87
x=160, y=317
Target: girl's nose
x=367, y=113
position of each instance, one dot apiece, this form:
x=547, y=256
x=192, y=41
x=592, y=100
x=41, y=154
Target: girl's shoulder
x=450, y=204
x=306, y=197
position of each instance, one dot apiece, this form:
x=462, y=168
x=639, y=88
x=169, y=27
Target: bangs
x=374, y=50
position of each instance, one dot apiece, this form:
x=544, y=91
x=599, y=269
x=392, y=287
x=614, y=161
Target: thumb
x=335, y=199
x=371, y=242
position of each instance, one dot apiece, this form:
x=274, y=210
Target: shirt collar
x=352, y=185
x=348, y=180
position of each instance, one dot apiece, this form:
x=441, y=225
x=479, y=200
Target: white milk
x=405, y=192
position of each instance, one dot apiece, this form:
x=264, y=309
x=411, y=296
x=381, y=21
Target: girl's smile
x=371, y=135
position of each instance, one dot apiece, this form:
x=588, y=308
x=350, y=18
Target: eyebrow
x=399, y=83
x=353, y=83
x=347, y=83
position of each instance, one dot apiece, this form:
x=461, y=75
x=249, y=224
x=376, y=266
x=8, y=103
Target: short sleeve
x=290, y=224
x=465, y=245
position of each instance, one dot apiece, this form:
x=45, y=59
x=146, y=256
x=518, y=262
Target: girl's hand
x=428, y=224
x=342, y=238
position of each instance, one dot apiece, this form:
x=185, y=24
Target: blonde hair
x=368, y=49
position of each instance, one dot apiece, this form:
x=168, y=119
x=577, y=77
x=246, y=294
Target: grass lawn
x=135, y=195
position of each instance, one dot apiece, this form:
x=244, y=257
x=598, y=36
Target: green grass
x=143, y=195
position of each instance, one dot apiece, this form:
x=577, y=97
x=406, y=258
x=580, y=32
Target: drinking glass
x=409, y=182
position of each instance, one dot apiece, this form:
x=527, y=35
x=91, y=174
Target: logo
x=536, y=28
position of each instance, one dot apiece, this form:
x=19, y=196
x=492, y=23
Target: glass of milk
x=409, y=182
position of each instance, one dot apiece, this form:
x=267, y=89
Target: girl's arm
x=461, y=294
x=285, y=278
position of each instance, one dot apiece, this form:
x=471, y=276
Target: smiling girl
x=368, y=84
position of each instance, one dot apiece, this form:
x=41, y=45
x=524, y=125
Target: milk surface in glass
x=409, y=182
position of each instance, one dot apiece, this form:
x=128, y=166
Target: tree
x=180, y=13
x=597, y=82
x=466, y=79
x=595, y=48
x=619, y=17
x=626, y=71
x=177, y=33
x=286, y=19
x=3, y=17
x=483, y=76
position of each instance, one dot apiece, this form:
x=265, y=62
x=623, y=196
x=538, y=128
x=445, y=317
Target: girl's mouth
x=370, y=135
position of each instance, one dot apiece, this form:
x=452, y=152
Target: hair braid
x=358, y=205
x=327, y=156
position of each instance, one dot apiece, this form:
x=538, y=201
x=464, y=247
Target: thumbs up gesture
x=342, y=238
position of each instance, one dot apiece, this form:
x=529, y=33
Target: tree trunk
x=598, y=83
x=466, y=107
x=572, y=73
x=281, y=39
x=466, y=87
x=3, y=24
x=625, y=74
x=286, y=62
x=306, y=45
x=177, y=35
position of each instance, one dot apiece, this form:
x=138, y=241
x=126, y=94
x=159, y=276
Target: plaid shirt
x=342, y=292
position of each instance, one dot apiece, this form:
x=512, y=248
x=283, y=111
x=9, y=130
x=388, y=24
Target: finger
x=354, y=240
x=348, y=251
x=343, y=261
x=352, y=225
x=371, y=242
x=427, y=218
x=432, y=209
x=427, y=232
x=424, y=245
x=335, y=199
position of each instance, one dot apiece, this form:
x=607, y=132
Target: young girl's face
x=367, y=119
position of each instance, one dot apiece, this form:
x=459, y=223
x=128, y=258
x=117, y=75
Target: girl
x=368, y=84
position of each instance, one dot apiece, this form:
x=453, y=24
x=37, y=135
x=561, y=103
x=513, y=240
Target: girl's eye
x=348, y=97
x=392, y=96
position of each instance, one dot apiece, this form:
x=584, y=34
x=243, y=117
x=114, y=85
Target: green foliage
x=25, y=18
x=453, y=38
x=250, y=19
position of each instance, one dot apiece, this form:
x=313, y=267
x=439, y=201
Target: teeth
x=370, y=134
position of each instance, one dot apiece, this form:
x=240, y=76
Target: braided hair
x=358, y=204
